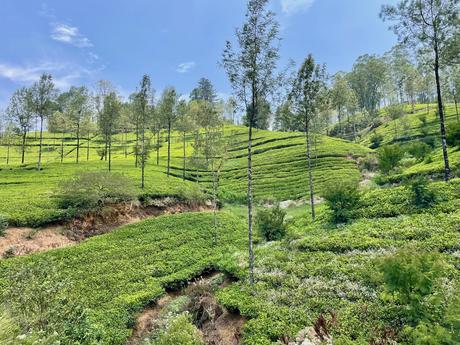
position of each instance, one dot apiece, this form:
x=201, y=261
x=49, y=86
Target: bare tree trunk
x=126, y=143
x=8, y=153
x=40, y=145
x=87, y=147
x=158, y=147
x=143, y=157
x=110, y=150
x=169, y=147
x=78, y=141
x=310, y=175
x=136, y=151
x=24, y=134
x=441, y=116
x=251, y=244
x=456, y=107
x=184, y=157
x=214, y=203
x=62, y=147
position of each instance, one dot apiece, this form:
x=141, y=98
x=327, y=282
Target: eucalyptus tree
x=231, y=106
x=184, y=125
x=42, y=97
x=145, y=110
x=75, y=104
x=453, y=85
x=204, y=91
x=59, y=123
x=20, y=113
x=433, y=26
x=305, y=99
x=340, y=94
x=107, y=121
x=367, y=79
x=251, y=71
x=168, y=112
x=103, y=89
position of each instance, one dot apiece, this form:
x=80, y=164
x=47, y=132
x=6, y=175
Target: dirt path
x=224, y=330
x=22, y=241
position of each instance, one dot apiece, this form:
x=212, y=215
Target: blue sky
x=175, y=41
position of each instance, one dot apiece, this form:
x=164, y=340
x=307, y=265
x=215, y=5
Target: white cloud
x=64, y=74
x=70, y=35
x=185, y=67
x=294, y=6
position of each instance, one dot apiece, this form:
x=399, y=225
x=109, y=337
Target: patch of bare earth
x=217, y=325
x=23, y=241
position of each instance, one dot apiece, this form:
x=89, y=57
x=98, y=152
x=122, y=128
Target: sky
x=176, y=42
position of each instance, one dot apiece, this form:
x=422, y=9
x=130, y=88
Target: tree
x=305, y=100
x=251, y=71
x=340, y=94
x=168, y=112
x=204, y=91
x=144, y=101
x=231, y=106
x=264, y=115
x=20, y=113
x=75, y=105
x=42, y=96
x=184, y=124
x=430, y=25
x=367, y=80
x=453, y=86
x=103, y=89
x=107, y=120
x=59, y=123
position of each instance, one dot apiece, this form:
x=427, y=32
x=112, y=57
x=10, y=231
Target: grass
x=109, y=278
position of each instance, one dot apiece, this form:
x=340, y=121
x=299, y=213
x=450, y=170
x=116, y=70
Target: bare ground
x=22, y=241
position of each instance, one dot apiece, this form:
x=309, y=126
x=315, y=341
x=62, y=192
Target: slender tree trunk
x=110, y=150
x=126, y=143
x=78, y=141
x=143, y=157
x=169, y=147
x=456, y=107
x=62, y=147
x=310, y=175
x=441, y=116
x=40, y=145
x=250, y=196
x=214, y=203
x=8, y=153
x=158, y=147
x=184, y=157
x=87, y=147
x=136, y=151
x=24, y=134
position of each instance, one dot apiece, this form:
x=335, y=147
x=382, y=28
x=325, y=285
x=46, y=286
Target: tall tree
x=204, y=91
x=251, y=71
x=103, y=89
x=305, y=98
x=145, y=103
x=184, y=125
x=453, y=86
x=167, y=108
x=41, y=103
x=107, y=120
x=75, y=105
x=430, y=25
x=20, y=113
x=340, y=93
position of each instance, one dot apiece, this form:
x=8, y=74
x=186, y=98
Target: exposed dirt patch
x=217, y=325
x=23, y=241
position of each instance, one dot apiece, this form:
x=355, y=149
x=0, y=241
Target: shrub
x=418, y=149
x=368, y=163
x=3, y=224
x=421, y=195
x=270, y=223
x=389, y=157
x=180, y=331
x=342, y=198
x=410, y=277
x=376, y=141
x=91, y=190
x=453, y=135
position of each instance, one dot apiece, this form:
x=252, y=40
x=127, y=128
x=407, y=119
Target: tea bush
x=271, y=223
x=342, y=197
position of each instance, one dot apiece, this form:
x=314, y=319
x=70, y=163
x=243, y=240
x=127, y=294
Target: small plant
x=421, y=195
x=389, y=157
x=368, y=163
x=342, y=198
x=180, y=331
x=376, y=141
x=3, y=224
x=270, y=223
x=418, y=150
x=90, y=190
x=453, y=135
x=10, y=252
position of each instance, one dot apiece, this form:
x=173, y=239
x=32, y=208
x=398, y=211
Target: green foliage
x=180, y=331
x=342, y=197
x=422, y=195
x=90, y=190
x=453, y=135
x=411, y=279
x=3, y=224
x=271, y=223
x=376, y=141
x=389, y=157
x=418, y=149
